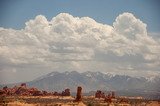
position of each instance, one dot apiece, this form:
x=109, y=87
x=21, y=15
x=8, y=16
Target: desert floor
x=65, y=101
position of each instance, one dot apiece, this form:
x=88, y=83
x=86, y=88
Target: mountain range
x=92, y=81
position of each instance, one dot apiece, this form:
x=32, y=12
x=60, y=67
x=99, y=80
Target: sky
x=38, y=37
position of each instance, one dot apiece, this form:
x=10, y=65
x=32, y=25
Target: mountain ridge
x=90, y=81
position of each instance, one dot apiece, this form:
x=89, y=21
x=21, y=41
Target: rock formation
x=79, y=94
x=23, y=90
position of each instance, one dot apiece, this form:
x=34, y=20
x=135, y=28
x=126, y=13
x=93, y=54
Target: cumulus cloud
x=129, y=26
x=73, y=43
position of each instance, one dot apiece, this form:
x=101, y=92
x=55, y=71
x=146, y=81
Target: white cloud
x=68, y=42
x=129, y=26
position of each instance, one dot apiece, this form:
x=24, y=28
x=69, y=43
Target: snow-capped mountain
x=90, y=81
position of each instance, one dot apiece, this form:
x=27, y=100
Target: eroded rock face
x=66, y=92
x=107, y=97
x=23, y=90
x=99, y=94
x=79, y=94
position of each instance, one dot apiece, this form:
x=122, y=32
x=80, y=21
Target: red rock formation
x=23, y=90
x=5, y=88
x=113, y=95
x=18, y=90
x=99, y=94
x=79, y=94
x=56, y=94
x=24, y=85
x=45, y=93
x=108, y=98
x=37, y=93
x=103, y=95
x=2, y=92
x=66, y=92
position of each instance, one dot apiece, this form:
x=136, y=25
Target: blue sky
x=14, y=13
